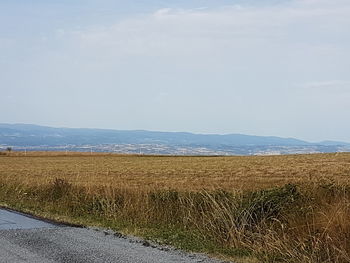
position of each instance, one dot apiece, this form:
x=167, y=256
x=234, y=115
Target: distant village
x=162, y=149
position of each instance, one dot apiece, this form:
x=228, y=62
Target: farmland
x=180, y=173
x=293, y=208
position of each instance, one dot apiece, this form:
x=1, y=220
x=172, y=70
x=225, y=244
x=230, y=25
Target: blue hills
x=35, y=135
x=41, y=138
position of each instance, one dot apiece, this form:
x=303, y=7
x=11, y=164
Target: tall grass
x=283, y=224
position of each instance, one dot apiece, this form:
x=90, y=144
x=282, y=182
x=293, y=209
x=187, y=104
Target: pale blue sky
x=207, y=66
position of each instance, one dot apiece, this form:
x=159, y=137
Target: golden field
x=176, y=172
x=291, y=208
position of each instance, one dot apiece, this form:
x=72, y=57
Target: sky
x=260, y=67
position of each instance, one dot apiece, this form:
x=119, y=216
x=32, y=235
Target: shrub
x=267, y=205
x=58, y=189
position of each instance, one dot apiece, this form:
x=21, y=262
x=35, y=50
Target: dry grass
x=182, y=173
x=292, y=208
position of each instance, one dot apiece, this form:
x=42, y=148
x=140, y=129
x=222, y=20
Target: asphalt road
x=26, y=239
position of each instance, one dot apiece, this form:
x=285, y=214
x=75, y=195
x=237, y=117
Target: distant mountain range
x=34, y=136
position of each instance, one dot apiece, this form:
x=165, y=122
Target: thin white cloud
x=333, y=85
x=174, y=32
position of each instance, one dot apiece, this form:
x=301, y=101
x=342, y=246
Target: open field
x=180, y=173
x=293, y=208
